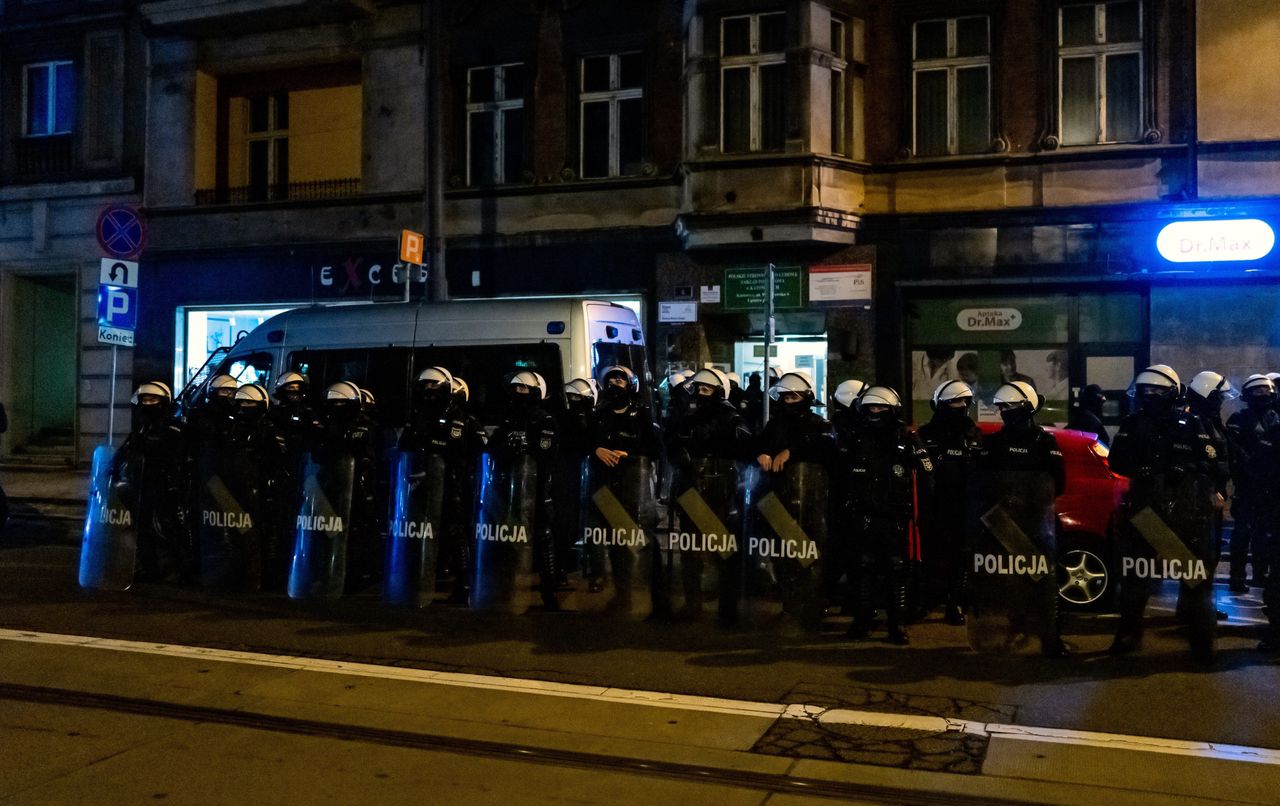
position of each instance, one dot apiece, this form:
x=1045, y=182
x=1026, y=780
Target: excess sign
x=1215, y=240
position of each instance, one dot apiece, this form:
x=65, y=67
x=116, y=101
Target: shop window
x=753, y=82
x=267, y=146
x=49, y=98
x=1100, y=82
x=610, y=123
x=495, y=124
x=951, y=86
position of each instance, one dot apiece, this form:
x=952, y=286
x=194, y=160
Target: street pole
x=111, y=410
x=768, y=336
x=433, y=155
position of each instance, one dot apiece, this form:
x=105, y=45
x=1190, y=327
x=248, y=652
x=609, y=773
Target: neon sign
x=1212, y=241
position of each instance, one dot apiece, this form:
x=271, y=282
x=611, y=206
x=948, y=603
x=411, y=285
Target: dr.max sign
x=1212, y=241
x=989, y=319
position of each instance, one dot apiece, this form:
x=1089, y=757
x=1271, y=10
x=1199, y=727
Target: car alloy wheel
x=1082, y=577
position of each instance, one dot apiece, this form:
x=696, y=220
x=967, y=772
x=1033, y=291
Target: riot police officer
x=1245, y=428
x=295, y=421
x=737, y=397
x=1021, y=474
x=155, y=442
x=841, y=409
x=704, y=448
x=439, y=427
x=210, y=418
x=794, y=450
x=888, y=472
x=348, y=433
x=580, y=396
x=1086, y=413
x=845, y=420
x=529, y=432
x=1169, y=460
x=626, y=449
x=954, y=443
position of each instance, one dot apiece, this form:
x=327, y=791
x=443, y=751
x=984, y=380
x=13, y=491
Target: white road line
x=841, y=716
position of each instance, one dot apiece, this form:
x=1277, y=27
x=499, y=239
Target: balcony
x=39, y=157
x=319, y=190
x=236, y=17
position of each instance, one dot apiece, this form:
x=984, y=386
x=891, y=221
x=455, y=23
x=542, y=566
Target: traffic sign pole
x=111, y=411
x=768, y=336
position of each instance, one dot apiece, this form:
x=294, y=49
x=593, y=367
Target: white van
x=382, y=347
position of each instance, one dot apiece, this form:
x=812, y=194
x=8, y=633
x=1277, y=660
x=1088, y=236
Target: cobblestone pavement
x=947, y=751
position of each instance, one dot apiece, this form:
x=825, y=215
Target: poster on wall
x=840, y=284
x=985, y=369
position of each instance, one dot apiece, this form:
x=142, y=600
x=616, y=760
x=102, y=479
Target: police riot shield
x=503, y=579
x=108, y=550
x=1012, y=571
x=415, y=529
x=318, y=569
x=226, y=519
x=621, y=544
x=786, y=548
x=1169, y=537
x=703, y=543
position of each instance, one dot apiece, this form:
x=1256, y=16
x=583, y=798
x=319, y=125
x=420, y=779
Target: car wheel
x=1084, y=576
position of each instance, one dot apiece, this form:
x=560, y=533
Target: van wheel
x=1085, y=577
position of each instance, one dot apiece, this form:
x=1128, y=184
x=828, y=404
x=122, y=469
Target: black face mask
x=1259, y=403
x=147, y=415
x=290, y=397
x=1155, y=404
x=616, y=396
x=580, y=406
x=1017, y=417
x=953, y=416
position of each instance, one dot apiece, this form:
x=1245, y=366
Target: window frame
x=1100, y=51
x=840, y=87
x=753, y=60
x=952, y=64
x=271, y=136
x=613, y=96
x=51, y=104
x=499, y=106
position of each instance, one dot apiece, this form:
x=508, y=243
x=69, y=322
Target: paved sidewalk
x=28, y=485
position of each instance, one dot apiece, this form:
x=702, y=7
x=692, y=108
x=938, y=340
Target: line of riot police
x=704, y=517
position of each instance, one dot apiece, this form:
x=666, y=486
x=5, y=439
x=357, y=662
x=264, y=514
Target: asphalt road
x=1157, y=693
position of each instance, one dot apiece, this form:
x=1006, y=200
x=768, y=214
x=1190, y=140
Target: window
x=839, y=87
x=495, y=124
x=951, y=86
x=610, y=126
x=267, y=141
x=1100, y=73
x=753, y=81
x=50, y=95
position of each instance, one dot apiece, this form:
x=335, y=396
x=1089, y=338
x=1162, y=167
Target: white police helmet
x=532, y=380
x=582, y=387
x=459, y=387
x=367, y=398
x=154, y=388
x=252, y=394
x=1258, y=385
x=633, y=382
x=710, y=376
x=435, y=376
x=879, y=396
x=735, y=379
x=798, y=382
x=948, y=391
x=343, y=391
x=848, y=391
x=223, y=386
x=1017, y=393
x=290, y=377
x=1206, y=383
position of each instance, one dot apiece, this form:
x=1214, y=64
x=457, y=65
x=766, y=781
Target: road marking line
x=684, y=702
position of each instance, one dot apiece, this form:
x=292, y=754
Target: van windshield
x=631, y=356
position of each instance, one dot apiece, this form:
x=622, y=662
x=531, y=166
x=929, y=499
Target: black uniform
x=705, y=447
x=1086, y=414
x=529, y=431
x=298, y=427
x=888, y=472
x=570, y=478
x=164, y=544
x=633, y=482
x=1021, y=472
x=1170, y=462
x=442, y=427
x=954, y=442
x=1248, y=504
x=802, y=487
x=348, y=433
x=1265, y=462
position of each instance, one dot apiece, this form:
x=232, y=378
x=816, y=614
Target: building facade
x=71, y=86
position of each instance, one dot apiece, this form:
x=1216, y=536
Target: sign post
x=768, y=335
x=117, y=319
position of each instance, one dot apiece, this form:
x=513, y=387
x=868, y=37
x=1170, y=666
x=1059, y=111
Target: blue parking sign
x=118, y=307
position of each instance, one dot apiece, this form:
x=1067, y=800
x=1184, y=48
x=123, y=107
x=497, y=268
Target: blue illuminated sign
x=118, y=307
x=1212, y=241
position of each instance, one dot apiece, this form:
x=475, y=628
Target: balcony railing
x=34, y=157
x=278, y=192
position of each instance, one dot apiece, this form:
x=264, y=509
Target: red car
x=1087, y=557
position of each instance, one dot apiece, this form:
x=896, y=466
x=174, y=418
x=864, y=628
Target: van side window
x=486, y=368
x=384, y=371
x=252, y=368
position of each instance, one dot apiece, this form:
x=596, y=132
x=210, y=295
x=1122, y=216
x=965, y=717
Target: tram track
x=773, y=783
